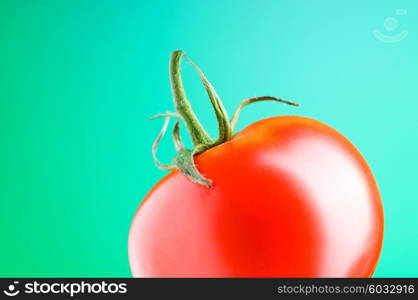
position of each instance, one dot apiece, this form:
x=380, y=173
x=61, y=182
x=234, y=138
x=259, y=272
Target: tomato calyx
x=201, y=140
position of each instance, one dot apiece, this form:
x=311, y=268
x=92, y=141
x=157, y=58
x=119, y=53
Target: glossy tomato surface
x=291, y=197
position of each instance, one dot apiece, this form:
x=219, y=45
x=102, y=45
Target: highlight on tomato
x=287, y=196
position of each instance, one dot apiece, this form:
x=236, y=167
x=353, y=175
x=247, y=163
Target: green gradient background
x=78, y=80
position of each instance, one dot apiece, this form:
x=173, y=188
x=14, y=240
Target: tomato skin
x=291, y=197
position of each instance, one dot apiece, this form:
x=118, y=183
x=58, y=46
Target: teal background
x=78, y=80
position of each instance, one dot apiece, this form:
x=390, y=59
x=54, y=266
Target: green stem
x=225, y=130
x=244, y=103
x=197, y=132
x=165, y=167
x=178, y=145
x=184, y=161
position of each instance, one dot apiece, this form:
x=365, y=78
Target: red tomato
x=291, y=197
